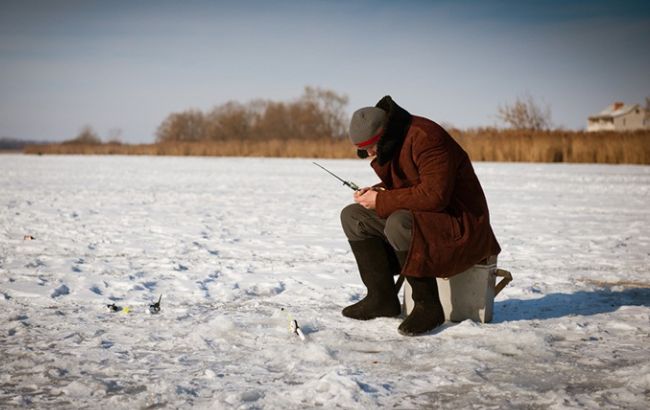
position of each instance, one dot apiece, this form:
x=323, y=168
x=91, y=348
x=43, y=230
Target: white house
x=620, y=117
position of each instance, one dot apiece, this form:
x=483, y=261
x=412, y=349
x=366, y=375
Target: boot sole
x=424, y=332
x=371, y=317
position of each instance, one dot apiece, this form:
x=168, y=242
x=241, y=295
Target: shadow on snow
x=555, y=305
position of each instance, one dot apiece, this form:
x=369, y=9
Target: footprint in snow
x=106, y=344
x=60, y=291
x=180, y=268
x=266, y=289
x=150, y=285
x=36, y=263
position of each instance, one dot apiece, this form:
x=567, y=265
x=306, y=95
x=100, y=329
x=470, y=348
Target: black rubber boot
x=374, y=263
x=427, y=313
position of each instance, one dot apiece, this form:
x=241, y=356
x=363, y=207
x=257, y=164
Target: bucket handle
x=507, y=278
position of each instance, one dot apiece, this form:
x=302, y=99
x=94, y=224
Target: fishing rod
x=350, y=184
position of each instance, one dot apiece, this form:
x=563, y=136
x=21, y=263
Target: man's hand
x=366, y=197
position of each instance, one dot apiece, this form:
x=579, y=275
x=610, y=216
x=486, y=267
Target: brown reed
x=556, y=146
x=481, y=145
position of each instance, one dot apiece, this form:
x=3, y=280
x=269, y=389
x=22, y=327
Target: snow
x=240, y=247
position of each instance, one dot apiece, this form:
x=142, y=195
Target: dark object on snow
x=28, y=238
x=295, y=329
x=374, y=266
x=114, y=308
x=427, y=313
x=155, y=308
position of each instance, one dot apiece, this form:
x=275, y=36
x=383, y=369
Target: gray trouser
x=360, y=223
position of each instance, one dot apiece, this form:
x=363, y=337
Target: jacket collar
x=397, y=125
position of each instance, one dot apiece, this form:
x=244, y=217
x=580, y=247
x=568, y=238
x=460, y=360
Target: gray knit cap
x=366, y=123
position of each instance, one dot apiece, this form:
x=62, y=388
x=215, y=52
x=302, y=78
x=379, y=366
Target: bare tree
x=525, y=113
x=330, y=108
x=229, y=121
x=274, y=122
x=184, y=126
x=86, y=136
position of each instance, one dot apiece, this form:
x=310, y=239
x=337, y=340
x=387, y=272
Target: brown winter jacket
x=425, y=171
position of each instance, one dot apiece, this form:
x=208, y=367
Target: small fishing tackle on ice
x=293, y=326
x=114, y=308
x=295, y=329
x=155, y=308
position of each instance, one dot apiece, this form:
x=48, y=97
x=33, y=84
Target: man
x=427, y=218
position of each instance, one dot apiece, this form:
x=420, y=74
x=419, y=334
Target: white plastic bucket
x=468, y=295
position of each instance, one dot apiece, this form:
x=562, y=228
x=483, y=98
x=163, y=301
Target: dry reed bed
x=324, y=148
x=481, y=145
x=557, y=146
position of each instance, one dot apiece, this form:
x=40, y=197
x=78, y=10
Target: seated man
x=427, y=218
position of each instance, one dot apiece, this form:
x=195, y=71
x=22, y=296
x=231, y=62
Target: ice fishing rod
x=351, y=184
x=293, y=326
x=154, y=308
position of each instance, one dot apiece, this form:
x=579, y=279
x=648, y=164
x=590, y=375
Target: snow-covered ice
x=240, y=247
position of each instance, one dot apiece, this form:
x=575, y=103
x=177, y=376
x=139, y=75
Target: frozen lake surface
x=238, y=246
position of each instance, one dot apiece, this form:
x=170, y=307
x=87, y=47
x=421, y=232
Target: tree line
x=317, y=113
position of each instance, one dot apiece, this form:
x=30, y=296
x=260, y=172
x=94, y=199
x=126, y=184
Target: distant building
x=620, y=117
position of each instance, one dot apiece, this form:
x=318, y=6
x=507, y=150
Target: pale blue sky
x=128, y=64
